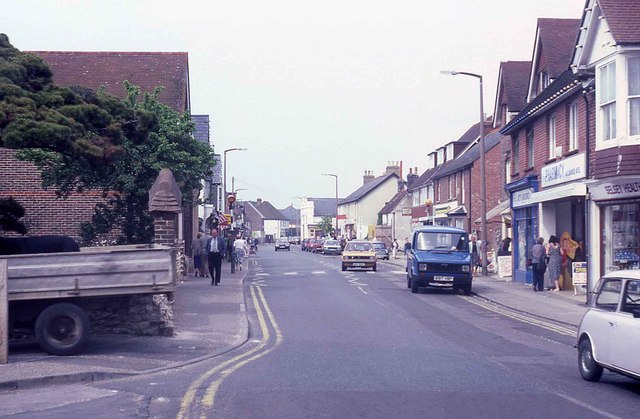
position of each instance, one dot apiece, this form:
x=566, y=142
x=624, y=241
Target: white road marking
x=399, y=272
x=290, y=273
x=318, y=272
x=262, y=274
x=362, y=290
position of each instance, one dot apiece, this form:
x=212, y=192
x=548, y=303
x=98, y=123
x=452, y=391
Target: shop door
x=523, y=240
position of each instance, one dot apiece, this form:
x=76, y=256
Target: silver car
x=609, y=333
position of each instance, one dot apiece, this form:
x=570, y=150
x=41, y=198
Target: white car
x=609, y=333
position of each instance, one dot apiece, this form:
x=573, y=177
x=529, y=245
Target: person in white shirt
x=240, y=250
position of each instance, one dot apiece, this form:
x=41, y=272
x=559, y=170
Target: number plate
x=359, y=264
x=443, y=278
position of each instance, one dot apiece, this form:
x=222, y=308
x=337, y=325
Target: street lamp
x=335, y=176
x=483, y=180
x=224, y=165
x=301, y=231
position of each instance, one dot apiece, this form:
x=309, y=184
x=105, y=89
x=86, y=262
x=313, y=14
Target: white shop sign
x=563, y=171
x=521, y=198
x=620, y=188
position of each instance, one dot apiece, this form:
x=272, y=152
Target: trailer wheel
x=62, y=329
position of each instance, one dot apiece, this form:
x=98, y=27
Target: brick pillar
x=165, y=204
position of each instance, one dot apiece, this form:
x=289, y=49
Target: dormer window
x=440, y=155
x=450, y=152
x=543, y=81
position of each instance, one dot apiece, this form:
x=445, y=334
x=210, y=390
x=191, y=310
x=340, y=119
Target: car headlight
x=465, y=268
x=422, y=267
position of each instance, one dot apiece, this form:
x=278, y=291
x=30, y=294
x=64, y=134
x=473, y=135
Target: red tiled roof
x=515, y=82
x=623, y=18
x=558, y=39
x=109, y=69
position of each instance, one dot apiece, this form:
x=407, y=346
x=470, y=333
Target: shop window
x=621, y=239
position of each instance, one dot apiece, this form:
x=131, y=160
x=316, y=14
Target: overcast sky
x=310, y=87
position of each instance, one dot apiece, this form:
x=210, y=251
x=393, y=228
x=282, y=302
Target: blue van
x=439, y=257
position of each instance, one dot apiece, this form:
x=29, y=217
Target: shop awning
x=457, y=211
x=565, y=191
x=498, y=209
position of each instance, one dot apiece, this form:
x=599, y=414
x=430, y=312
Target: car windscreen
x=358, y=247
x=331, y=243
x=442, y=241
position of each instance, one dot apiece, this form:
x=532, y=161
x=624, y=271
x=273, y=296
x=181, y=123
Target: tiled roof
x=469, y=156
x=109, y=69
x=366, y=188
x=623, y=18
x=391, y=205
x=324, y=207
x=515, y=81
x=424, y=178
x=201, y=132
x=561, y=85
x=269, y=212
x=291, y=213
x=558, y=38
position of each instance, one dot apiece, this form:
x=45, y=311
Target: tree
x=10, y=213
x=326, y=224
x=80, y=140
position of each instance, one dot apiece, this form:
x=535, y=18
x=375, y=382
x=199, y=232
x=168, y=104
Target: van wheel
x=466, y=290
x=344, y=268
x=590, y=370
x=62, y=329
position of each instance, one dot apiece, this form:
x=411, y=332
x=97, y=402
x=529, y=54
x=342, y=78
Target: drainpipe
x=587, y=203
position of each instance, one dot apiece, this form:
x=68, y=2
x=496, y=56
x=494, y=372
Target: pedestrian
x=538, y=264
x=407, y=246
x=240, y=250
x=504, y=250
x=394, y=248
x=554, y=252
x=474, y=250
x=255, y=243
x=204, y=268
x=215, y=254
x=196, y=252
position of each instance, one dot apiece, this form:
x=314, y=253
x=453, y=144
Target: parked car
x=331, y=247
x=294, y=240
x=317, y=246
x=282, y=243
x=609, y=333
x=382, y=252
x=439, y=257
x=359, y=254
x=310, y=244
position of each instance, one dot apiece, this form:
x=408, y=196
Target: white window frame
x=606, y=102
x=632, y=97
x=507, y=170
x=529, y=139
x=573, y=126
x=463, y=194
x=551, y=123
x=451, y=190
x=543, y=81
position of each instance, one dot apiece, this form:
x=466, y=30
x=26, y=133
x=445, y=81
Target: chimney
x=393, y=167
x=259, y=200
x=368, y=177
x=411, y=177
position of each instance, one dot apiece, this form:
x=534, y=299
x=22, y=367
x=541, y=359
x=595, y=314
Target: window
x=543, y=81
x=450, y=152
x=631, y=301
x=609, y=295
x=451, y=187
x=516, y=154
x=440, y=156
x=573, y=126
x=507, y=171
x=607, y=100
x=552, y=137
x=633, y=69
x=462, y=187
x=529, y=140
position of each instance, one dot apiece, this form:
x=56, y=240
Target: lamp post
x=224, y=166
x=336, y=177
x=483, y=180
x=301, y=219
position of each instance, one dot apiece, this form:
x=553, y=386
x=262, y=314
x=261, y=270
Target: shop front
x=458, y=217
x=616, y=221
x=440, y=213
x=525, y=225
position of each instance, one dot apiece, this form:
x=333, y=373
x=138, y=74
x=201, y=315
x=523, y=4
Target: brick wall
x=494, y=163
x=45, y=214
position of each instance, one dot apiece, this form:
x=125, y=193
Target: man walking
x=215, y=253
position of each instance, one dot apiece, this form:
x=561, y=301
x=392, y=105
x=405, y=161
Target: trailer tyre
x=62, y=329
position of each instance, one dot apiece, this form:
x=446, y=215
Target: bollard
x=4, y=313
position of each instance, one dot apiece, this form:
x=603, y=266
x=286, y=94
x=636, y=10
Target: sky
x=339, y=87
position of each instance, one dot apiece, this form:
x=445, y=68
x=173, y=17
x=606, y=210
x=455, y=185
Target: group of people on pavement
x=209, y=250
x=555, y=258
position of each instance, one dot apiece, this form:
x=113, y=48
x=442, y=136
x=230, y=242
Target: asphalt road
x=326, y=343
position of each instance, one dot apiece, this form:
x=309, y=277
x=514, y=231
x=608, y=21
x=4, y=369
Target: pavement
x=211, y=320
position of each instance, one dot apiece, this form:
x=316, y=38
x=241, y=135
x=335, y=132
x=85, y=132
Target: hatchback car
x=283, y=244
x=358, y=254
x=609, y=333
x=331, y=247
x=381, y=249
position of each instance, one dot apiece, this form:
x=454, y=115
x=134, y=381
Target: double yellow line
x=521, y=317
x=189, y=405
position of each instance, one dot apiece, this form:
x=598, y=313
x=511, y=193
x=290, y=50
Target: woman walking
x=554, y=251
